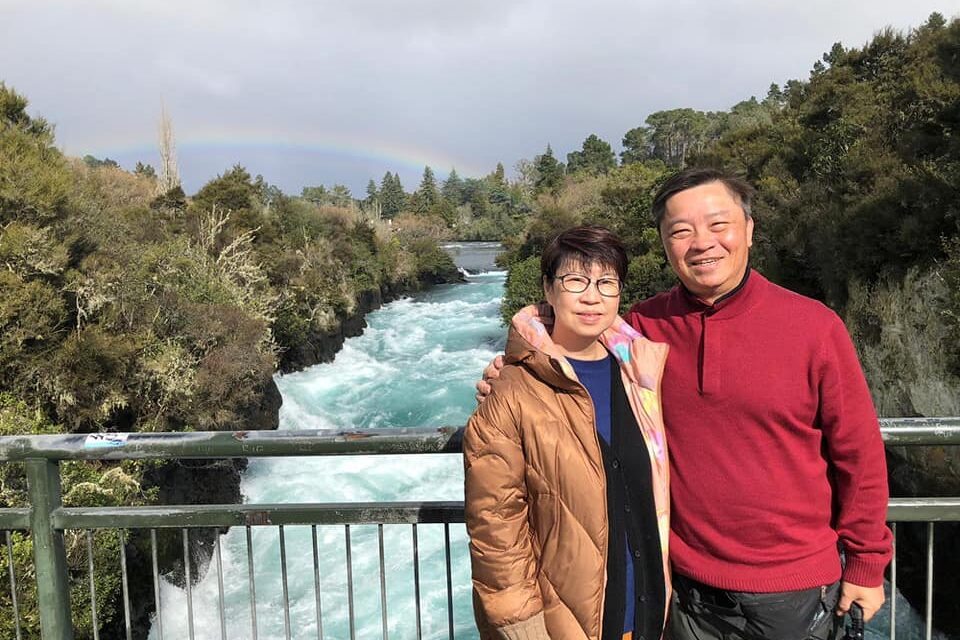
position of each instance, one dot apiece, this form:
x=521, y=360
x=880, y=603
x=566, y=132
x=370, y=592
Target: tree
x=96, y=163
x=169, y=172
x=340, y=196
x=452, y=189
x=596, y=157
x=392, y=197
x=637, y=146
x=372, y=193
x=233, y=190
x=145, y=170
x=549, y=173
x=499, y=177
x=36, y=182
x=318, y=195
x=426, y=196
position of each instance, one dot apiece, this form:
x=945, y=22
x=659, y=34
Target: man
x=775, y=451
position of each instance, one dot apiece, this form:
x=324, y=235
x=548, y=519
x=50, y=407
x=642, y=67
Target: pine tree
x=549, y=173
x=452, y=189
x=392, y=197
x=426, y=195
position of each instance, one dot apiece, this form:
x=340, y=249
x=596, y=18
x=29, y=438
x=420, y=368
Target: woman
x=567, y=498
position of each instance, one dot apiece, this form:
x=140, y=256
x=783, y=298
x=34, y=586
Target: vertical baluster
x=125, y=584
x=220, y=600
x=383, y=584
x=283, y=579
x=346, y=533
x=93, y=588
x=253, y=587
x=893, y=585
x=13, y=585
x=316, y=583
x=929, y=580
x=156, y=582
x=416, y=580
x=446, y=543
x=187, y=579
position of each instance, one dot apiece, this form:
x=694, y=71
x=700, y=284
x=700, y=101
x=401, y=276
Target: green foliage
x=96, y=163
x=233, y=191
x=35, y=182
x=426, y=197
x=648, y=273
x=145, y=170
x=452, y=189
x=523, y=287
x=548, y=173
x=393, y=199
x=596, y=157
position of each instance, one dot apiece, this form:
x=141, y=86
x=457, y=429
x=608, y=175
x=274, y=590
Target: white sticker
x=102, y=440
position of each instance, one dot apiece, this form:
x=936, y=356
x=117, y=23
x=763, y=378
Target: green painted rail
x=47, y=519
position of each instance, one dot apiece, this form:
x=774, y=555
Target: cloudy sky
x=318, y=92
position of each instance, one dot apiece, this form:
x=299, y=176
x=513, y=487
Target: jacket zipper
x=603, y=482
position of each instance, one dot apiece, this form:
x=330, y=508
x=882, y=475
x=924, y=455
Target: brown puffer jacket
x=536, y=489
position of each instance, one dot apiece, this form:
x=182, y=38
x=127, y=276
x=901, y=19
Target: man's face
x=707, y=239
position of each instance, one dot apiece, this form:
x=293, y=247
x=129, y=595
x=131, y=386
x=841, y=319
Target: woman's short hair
x=585, y=246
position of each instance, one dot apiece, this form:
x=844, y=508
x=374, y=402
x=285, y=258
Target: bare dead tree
x=169, y=172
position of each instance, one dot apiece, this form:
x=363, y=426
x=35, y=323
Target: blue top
x=595, y=376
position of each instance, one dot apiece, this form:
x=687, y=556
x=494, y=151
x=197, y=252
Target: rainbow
x=393, y=155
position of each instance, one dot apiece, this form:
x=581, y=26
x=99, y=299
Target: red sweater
x=775, y=449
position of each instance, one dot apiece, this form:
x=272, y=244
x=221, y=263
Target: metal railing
x=47, y=519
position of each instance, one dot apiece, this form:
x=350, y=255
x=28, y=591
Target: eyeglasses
x=576, y=283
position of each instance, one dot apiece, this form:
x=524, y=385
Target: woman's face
x=580, y=318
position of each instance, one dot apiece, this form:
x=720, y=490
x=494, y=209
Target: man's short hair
x=585, y=245
x=739, y=188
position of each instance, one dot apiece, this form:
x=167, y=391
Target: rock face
x=932, y=471
x=323, y=346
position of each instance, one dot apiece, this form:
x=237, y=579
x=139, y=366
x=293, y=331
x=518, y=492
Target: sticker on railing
x=103, y=440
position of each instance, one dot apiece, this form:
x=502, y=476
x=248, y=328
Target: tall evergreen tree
x=392, y=197
x=499, y=176
x=549, y=173
x=426, y=196
x=372, y=193
x=452, y=189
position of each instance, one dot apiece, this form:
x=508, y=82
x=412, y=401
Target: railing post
x=49, y=555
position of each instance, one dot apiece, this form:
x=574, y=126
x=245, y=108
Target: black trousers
x=700, y=612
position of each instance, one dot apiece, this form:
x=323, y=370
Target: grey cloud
x=478, y=82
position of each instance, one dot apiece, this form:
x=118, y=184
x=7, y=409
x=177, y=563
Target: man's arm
x=491, y=372
x=855, y=449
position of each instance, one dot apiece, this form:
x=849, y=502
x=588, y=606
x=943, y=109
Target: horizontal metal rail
x=224, y=444
x=242, y=444
x=47, y=518
x=233, y=515
x=923, y=510
x=14, y=519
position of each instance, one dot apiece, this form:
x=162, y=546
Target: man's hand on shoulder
x=492, y=372
x=870, y=598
